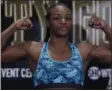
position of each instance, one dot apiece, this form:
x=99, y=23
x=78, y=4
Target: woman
x=56, y=61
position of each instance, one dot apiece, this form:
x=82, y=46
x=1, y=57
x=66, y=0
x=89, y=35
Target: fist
x=23, y=24
x=96, y=22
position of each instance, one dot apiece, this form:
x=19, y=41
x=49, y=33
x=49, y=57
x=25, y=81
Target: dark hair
x=47, y=35
x=48, y=16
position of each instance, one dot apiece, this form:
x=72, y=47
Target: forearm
x=6, y=34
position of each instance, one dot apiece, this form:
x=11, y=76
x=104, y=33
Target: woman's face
x=60, y=21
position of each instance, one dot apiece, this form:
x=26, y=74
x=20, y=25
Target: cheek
x=70, y=24
x=54, y=25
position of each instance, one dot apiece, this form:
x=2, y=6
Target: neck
x=58, y=43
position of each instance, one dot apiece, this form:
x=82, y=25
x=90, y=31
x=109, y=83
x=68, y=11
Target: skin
x=60, y=23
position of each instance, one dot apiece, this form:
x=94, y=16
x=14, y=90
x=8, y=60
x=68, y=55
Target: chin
x=62, y=33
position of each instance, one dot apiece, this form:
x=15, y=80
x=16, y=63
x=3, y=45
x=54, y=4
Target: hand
x=96, y=22
x=23, y=24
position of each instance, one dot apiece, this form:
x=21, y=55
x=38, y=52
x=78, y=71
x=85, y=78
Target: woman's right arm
x=16, y=51
x=6, y=34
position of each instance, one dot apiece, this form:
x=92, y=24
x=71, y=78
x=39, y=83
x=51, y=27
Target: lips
x=63, y=28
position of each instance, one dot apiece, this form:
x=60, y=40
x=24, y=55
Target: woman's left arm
x=101, y=51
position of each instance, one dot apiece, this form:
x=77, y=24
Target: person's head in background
x=59, y=21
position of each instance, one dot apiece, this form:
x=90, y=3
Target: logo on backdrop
x=16, y=73
x=95, y=73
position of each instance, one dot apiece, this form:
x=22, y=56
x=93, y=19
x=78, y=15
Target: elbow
x=3, y=58
x=108, y=57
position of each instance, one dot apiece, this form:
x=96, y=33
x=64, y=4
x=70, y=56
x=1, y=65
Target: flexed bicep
x=102, y=53
x=12, y=53
x=89, y=51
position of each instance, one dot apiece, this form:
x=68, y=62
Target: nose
x=63, y=21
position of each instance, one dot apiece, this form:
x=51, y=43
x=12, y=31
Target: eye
x=56, y=18
x=68, y=18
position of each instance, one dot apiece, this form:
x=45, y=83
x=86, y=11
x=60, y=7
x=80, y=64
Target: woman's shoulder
x=84, y=49
x=36, y=43
x=35, y=46
x=83, y=44
x=35, y=49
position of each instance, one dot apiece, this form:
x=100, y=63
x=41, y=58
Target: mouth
x=63, y=27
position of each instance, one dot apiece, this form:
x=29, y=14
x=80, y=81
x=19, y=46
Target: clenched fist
x=96, y=22
x=23, y=23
